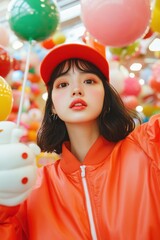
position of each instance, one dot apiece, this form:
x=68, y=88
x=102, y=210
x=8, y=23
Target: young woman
x=106, y=185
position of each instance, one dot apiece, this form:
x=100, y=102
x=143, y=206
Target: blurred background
x=133, y=55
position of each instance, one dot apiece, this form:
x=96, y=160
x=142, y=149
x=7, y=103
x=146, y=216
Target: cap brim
x=63, y=52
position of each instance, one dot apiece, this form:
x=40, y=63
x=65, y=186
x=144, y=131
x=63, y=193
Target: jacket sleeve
x=10, y=228
x=147, y=137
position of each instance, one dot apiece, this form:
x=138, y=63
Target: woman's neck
x=82, y=137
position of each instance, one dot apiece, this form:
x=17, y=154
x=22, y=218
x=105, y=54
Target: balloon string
x=24, y=84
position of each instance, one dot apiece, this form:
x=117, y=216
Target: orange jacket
x=114, y=195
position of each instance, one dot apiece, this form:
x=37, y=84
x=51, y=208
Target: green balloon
x=125, y=51
x=33, y=19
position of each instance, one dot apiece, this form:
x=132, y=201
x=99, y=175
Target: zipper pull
x=83, y=171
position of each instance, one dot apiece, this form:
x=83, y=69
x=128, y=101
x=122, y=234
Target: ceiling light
x=136, y=67
x=141, y=81
x=132, y=75
x=155, y=45
x=17, y=44
x=45, y=96
x=139, y=109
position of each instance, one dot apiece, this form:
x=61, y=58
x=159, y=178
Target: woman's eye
x=89, y=81
x=62, y=85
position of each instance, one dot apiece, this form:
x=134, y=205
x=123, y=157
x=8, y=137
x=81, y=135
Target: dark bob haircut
x=115, y=121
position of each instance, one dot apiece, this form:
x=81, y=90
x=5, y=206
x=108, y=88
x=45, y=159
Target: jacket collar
x=99, y=151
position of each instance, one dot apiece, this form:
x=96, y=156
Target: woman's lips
x=78, y=104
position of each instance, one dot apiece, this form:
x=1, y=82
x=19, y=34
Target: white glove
x=17, y=165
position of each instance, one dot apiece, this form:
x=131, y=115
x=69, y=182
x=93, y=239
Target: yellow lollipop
x=6, y=99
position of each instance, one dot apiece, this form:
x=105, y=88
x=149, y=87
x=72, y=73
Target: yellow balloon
x=155, y=26
x=149, y=110
x=6, y=99
x=59, y=38
x=157, y=4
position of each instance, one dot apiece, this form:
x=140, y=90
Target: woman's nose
x=77, y=91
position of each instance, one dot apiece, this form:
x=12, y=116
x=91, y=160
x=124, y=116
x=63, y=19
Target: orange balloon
x=32, y=136
x=96, y=45
x=34, y=126
x=48, y=43
x=34, y=78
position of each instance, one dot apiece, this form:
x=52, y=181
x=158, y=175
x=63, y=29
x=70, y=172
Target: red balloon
x=149, y=33
x=5, y=62
x=131, y=86
x=16, y=64
x=154, y=83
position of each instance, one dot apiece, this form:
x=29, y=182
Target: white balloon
x=117, y=75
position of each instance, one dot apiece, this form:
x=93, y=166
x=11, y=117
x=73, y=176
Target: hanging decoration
x=116, y=23
x=34, y=19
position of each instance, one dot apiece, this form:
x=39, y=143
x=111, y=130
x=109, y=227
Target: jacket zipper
x=88, y=202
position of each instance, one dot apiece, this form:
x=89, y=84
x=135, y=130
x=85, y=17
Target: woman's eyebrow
x=64, y=74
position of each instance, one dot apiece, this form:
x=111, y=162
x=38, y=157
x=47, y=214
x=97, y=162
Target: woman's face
x=78, y=96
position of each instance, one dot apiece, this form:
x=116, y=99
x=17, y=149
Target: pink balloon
x=131, y=86
x=130, y=101
x=4, y=39
x=116, y=23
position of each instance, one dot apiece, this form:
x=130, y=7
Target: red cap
x=63, y=52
